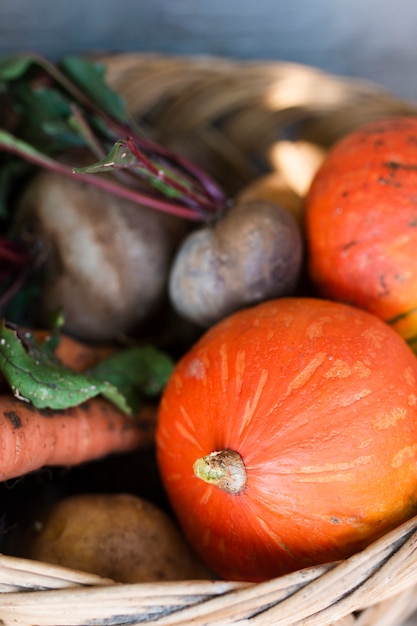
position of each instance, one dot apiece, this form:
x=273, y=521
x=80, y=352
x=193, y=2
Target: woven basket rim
x=256, y=101
x=314, y=596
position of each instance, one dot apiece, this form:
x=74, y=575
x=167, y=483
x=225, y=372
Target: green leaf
x=37, y=376
x=45, y=118
x=89, y=76
x=136, y=372
x=14, y=66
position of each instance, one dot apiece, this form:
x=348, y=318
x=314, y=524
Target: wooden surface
x=374, y=39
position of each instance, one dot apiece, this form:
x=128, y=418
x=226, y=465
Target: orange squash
x=287, y=437
x=361, y=222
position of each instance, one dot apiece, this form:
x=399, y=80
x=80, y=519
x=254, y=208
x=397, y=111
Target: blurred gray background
x=373, y=39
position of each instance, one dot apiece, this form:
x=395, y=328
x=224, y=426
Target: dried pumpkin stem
x=224, y=469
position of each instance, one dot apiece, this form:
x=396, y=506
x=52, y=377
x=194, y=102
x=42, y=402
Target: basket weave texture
x=229, y=116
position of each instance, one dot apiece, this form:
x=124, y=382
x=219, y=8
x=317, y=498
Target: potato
x=272, y=187
x=118, y=536
x=105, y=260
x=253, y=253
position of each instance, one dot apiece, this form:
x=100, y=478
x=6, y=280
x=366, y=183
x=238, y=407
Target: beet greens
x=49, y=109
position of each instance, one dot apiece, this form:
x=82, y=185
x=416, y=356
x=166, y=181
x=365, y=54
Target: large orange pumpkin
x=287, y=437
x=361, y=222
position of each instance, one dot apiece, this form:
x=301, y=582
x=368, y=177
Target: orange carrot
x=31, y=438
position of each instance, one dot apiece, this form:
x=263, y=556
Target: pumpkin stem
x=224, y=469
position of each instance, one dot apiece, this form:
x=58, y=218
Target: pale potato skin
x=251, y=254
x=118, y=536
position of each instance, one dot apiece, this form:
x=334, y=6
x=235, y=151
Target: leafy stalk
x=36, y=375
x=49, y=110
x=80, y=85
x=12, y=144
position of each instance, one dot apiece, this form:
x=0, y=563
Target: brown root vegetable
x=253, y=253
x=105, y=259
x=117, y=536
x=272, y=187
x=32, y=438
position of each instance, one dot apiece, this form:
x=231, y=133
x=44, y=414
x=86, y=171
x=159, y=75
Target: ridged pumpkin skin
x=361, y=222
x=320, y=401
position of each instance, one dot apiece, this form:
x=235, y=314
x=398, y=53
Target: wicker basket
x=233, y=118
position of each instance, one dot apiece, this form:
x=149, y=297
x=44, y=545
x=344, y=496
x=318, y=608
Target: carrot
x=31, y=438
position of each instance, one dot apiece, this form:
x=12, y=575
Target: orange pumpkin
x=287, y=437
x=361, y=222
